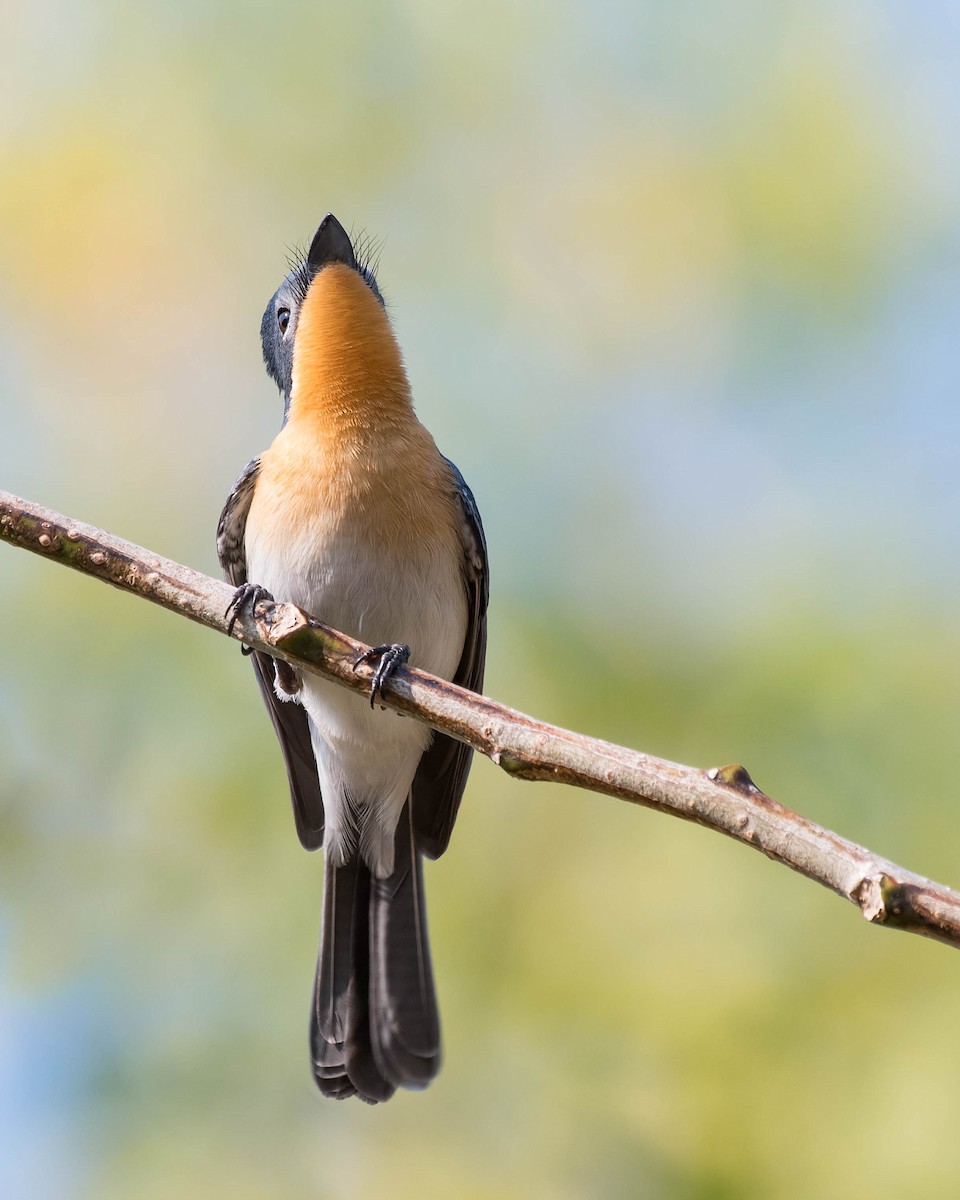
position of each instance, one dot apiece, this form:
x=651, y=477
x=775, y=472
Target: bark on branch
x=723, y=798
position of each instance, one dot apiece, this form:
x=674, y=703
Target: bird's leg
x=288, y=679
x=391, y=656
x=247, y=596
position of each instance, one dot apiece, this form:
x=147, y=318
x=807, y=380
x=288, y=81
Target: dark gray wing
x=442, y=775
x=289, y=719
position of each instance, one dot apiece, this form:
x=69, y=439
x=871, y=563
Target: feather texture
x=354, y=515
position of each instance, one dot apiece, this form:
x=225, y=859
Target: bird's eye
x=283, y=319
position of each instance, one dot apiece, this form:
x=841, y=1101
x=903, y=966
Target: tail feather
x=375, y=1025
x=405, y=1025
x=334, y=982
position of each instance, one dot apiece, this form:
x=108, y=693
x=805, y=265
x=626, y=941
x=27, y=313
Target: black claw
x=247, y=595
x=391, y=656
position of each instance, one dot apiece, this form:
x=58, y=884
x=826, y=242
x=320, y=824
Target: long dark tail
x=374, y=1026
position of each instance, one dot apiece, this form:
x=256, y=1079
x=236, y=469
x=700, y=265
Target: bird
x=355, y=516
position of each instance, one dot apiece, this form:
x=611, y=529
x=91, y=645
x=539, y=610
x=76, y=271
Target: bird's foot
x=247, y=596
x=391, y=656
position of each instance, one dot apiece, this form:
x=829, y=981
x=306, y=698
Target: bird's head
x=326, y=321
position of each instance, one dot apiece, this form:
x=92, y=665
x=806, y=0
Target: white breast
x=338, y=569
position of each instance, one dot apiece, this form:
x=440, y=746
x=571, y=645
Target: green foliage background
x=677, y=287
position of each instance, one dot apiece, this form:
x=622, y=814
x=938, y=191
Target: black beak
x=331, y=244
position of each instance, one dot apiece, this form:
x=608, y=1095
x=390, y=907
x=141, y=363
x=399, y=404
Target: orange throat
x=348, y=374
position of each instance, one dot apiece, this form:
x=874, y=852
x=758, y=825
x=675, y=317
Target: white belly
x=366, y=758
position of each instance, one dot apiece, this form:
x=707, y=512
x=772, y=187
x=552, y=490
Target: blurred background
x=678, y=287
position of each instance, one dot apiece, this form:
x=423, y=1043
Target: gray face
x=331, y=244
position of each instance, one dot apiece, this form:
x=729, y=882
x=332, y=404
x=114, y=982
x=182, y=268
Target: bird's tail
x=374, y=1025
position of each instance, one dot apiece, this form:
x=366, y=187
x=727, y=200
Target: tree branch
x=724, y=798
